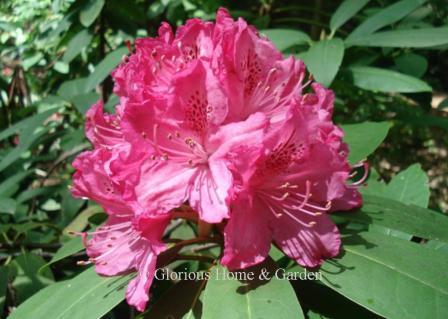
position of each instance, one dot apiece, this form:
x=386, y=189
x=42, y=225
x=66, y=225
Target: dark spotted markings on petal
x=198, y=112
x=252, y=70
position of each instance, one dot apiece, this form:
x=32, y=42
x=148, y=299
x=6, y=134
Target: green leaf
x=345, y=11
x=286, y=38
x=72, y=88
x=30, y=122
x=328, y=303
x=31, y=61
x=412, y=64
x=10, y=185
x=83, y=102
x=67, y=249
x=87, y=296
x=231, y=298
x=364, y=138
x=376, y=79
x=27, y=138
x=79, y=42
x=90, y=12
x=186, y=294
x=443, y=105
x=34, y=192
x=385, y=17
x=390, y=276
x=28, y=281
x=413, y=38
x=4, y=275
x=7, y=205
x=413, y=220
x=104, y=68
x=409, y=187
x=324, y=58
x=61, y=67
x=82, y=220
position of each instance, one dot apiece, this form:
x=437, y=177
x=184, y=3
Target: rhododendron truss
x=215, y=119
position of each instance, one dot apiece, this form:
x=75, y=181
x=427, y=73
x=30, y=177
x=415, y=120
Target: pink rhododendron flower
x=215, y=117
x=285, y=198
x=125, y=242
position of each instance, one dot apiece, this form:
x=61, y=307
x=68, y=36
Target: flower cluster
x=215, y=117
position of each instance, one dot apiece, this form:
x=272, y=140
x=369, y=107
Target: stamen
x=365, y=166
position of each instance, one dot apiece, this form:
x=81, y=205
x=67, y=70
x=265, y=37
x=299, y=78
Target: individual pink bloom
x=91, y=181
x=125, y=244
x=150, y=70
x=253, y=71
x=104, y=132
x=287, y=197
x=185, y=146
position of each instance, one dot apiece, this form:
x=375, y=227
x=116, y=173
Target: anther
x=311, y=224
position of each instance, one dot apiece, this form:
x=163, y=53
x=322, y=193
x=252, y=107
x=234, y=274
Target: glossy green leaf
x=72, y=88
x=410, y=219
x=82, y=220
x=345, y=11
x=30, y=122
x=79, y=42
x=412, y=64
x=324, y=302
x=443, y=105
x=104, y=68
x=7, y=205
x=364, y=138
x=389, y=15
x=83, y=102
x=61, y=67
x=376, y=79
x=90, y=12
x=27, y=138
x=186, y=293
x=409, y=187
x=67, y=249
x=413, y=38
x=286, y=38
x=323, y=60
x=390, y=276
x=9, y=186
x=230, y=298
x=87, y=296
x=34, y=192
x=28, y=281
x=31, y=61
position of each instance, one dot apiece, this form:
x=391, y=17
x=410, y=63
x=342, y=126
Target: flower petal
x=308, y=245
x=247, y=236
x=137, y=293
